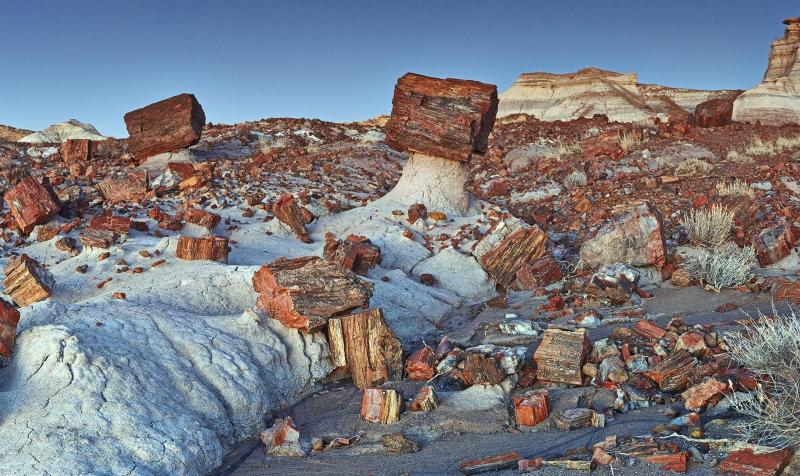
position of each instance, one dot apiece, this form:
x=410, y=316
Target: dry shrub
x=770, y=348
x=563, y=149
x=787, y=143
x=629, y=141
x=737, y=188
x=693, y=167
x=575, y=179
x=709, y=227
x=734, y=156
x=760, y=147
x=725, y=266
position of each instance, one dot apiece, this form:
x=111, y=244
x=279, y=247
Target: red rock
x=26, y=282
x=288, y=212
x=775, y=243
x=356, y=253
x=561, y=354
x=531, y=408
x=539, y=273
x=9, y=318
x=481, y=370
x=693, y=342
x=703, y=394
x=490, y=463
x=283, y=439
x=604, y=145
x=201, y=217
x=728, y=306
x=714, y=112
x=165, y=126
x=417, y=211
x=183, y=170
x=508, y=247
x=380, y=405
x=116, y=224
x=131, y=187
x=425, y=400
x=745, y=462
x=675, y=373
x=31, y=204
x=420, y=365
x=677, y=462
x=649, y=330
x=788, y=291
x=97, y=238
x=447, y=118
x=212, y=248
x=77, y=150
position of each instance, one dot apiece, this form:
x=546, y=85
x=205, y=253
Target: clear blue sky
x=94, y=60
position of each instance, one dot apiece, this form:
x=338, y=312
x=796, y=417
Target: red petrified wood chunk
x=129, y=187
x=561, y=355
x=380, y=405
x=508, y=247
x=746, y=463
x=356, y=253
x=288, y=212
x=649, y=330
x=283, y=439
x=165, y=126
x=417, y=211
x=490, y=463
x=212, y=248
x=675, y=373
x=419, y=365
x=116, y=224
x=303, y=293
x=703, y=394
x=531, y=408
x=199, y=217
x=775, y=243
x=670, y=461
x=9, y=318
x=425, y=400
x=714, y=112
x=31, y=204
x=27, y=282
x=77, y=150
x=447, y=118
x=604, y=145
x=539, y=273
x=481, y=370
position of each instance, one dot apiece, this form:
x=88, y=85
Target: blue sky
x=94, y=60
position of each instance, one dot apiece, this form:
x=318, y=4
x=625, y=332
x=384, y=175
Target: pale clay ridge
x=592, y=91
x=776, y=100
x=58, y=133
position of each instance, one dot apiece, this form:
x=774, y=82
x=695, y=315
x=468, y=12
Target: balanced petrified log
x=561, y=354
x=380, y=405
x=77, y=150
x=129, y=187
x=212, y=248
x=288, y=212
x=367, y=347
x=9, y=318
x=356, y=253
x=165, y=126
x=508, y=248
x=303, y=293
x=448, y=118
x=27, y=282
x=31, y=203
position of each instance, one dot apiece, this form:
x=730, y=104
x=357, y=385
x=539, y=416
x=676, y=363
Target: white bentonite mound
x=58, y=133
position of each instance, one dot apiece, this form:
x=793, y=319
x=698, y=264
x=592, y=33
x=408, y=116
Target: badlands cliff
x=776, y=100
x=592, y=91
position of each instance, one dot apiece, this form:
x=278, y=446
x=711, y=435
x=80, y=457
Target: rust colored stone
x=677, y=462
x=420, y=365
x=303, y=293
x=288, y=212
x=380, y=405
x=165, y=126
x=212, y=248
x=97, y=238
x=481, y=370
x=747, y=463
x=675, y=373
x=490, y=463
x=604, y=145
x=77, y=150
x=775, y=243
x=561, y=355
x=531, y=408
x=31, y=203
x=425, y=400
x=509, y=247
x=199, y=217
x=703, y=394
x=26, y=282
x=447, y=118
x=648, y=330
x=117, y=224
x=183, y=170
x=714, y=112
x=539, y=273
x=355, y=253
x=416, y=212
x=9, y=318
x=131, y=187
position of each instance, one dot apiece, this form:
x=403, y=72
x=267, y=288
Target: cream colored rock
x=776, y=100
x=57, y=133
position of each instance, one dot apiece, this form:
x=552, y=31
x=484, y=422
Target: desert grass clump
x=770, y=348
x=724, y=266
x=693, y=166
x=737, y=188
x=709, y=227
x=565, y=149
x=734, y=156
x=787, y=143
x=629, y=141
x=575, y=179
x=760, y=147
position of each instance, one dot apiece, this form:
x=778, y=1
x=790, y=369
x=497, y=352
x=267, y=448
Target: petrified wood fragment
x=288, y=212
x=420, y=365
x=490, y=463
x=303, y=293
x=199, y=217
x=132, y=186
x=365, y=345
x=164, y=126
x=77, y=150
x=9, y=318
x=508, y=247
x=675, y=373
x=539, y=273
x=425, y=400
x=448, y=118
x=97, y=238
x=31, y=203
x=481, y=370
x=117, y=224
x=380, y=405
x=356, y=253
x=27, y=282
x=213, y=248
x=531, y=408
x=561, y=355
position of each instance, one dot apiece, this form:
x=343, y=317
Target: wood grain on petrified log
x=165, y=126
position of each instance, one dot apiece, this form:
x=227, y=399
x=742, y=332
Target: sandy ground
x=451, y=435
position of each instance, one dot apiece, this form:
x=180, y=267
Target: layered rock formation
x=776, y=100
x=61, y=132
x=593, y=91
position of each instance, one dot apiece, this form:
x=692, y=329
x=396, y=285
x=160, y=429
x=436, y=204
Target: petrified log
x=27, y=282
x=508, y=247
x=490, y=463
x=425, y=400
x=576, y=418
x=165, y=126
x=531, y=408
x=199, y=217
x=365, y=345
x=77, y=150
x=561, y=354
x=648, y=330
x=288, y=212
x=97, y=238
x=775, y=243
x=714, y=112
x=539, y=273
x=481, y=370
x=746, y=462
x=303, y=293
x=213, y=248
x=380, y=405
x=31, y=203
x=416, y=212
x=129, y=187
x=356, y=253
x=116, y=224
x=419, y=365
x=9, y=318
x=675, y=373
x=448, y=118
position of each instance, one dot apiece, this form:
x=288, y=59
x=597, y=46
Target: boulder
x=213, y=248
x=26, y=281
x=508, y=247
x=77, y=150
x=165, y=126
x=634, y=236
x=9, y=318
x=714, y=113
x=31, y=203
x=130, y=187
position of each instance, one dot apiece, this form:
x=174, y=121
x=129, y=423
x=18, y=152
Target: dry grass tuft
x=770, y=348
x=693, y=166
x=709, y=227
x=564, y=149
x=725, y=266
x=737, y=188
x=575, y=179
x=734, y=156
x=630, y=141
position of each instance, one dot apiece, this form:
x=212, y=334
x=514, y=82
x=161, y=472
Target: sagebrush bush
x=575, y=179
x=770, y=348
x=737, y=188
x=724, y=266
x=693, y=167
x=709, y=227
